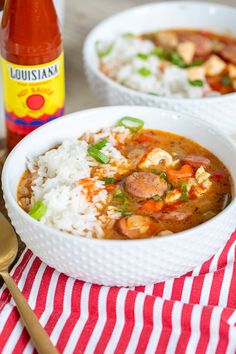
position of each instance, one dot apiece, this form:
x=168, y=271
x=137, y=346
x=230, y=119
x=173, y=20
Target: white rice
x=59, y=184
x=122, y=64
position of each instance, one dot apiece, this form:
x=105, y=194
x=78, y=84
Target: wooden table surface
x=80, y=18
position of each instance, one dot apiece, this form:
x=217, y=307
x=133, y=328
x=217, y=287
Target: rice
x=122, y=64
x=69, y=182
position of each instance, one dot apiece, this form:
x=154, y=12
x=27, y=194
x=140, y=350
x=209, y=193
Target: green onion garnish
x=105, y=52
x=145, y=72
x=126, y=213
x=226, y=81
x=184, y=197
x=128, y=35
x=153, y=93
x=98, y=155
x=184, y=187
x=196, y=62
x=101, y=144
x=109, y=180
x=142, y=56
x=38, y=210
x=156, y=197
x=133, y=124
x=118, y=193
x=163, y=175
x=122, y=196
x=159, y=52
x=196, y=83
x=176, y=60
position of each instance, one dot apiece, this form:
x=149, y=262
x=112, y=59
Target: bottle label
x=33, y=95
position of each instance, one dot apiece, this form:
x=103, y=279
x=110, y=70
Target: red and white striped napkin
x=195, y=313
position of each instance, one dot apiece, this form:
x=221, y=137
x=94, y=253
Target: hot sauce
x=32, y=65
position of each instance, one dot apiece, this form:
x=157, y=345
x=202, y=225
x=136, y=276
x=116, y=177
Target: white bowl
x=179, y=14
x=109, y=262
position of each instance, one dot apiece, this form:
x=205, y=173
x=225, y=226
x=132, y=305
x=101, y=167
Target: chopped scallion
x=101, y=144
x=196, y=62
x=156, y=197
x=109, y=180
x=177, y=60
x=226, y=81
x=38, y=210
x=196, y=83
x=159, y=52
x=145, y=72
x=142, y=56
x=153, y=93
x=163, y=175
x=126, y=213
x=128, y=35
x=184, y=187
x=184, y=197
x=118, y=193
x=98, y=155
x=133, y=124
x=106, y=51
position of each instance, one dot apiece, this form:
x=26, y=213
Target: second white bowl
x=220, y=111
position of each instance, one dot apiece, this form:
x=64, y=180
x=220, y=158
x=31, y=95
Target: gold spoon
x=8, y=252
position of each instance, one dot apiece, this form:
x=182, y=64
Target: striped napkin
x=195, y=313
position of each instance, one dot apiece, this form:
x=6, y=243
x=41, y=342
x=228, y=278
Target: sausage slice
x=229, y=53
x=135, y=226
x=174, y=216
x=197, y=161
x=204, y=45
x=145, y=185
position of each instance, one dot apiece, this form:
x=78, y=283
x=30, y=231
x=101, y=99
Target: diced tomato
x=151, y=206
x=186, y=171
x=110, y=188
x=218, y=175
x=146, y=138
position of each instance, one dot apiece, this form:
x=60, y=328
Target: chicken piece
x=201, y=175
x=164, y=64
x=190, y=183
x=173, y=196
x=197, y=161
x=186, y=50
x=154, y=157
x=176, y=215
x=214, y=65
x=204, y=45
x=135, y=155
x=165, y=233
x=145, y=185
x=232, y=71
x=167, y=39
x=229, y=53
x=199, y=190
x=136, y=226
x=196, y=73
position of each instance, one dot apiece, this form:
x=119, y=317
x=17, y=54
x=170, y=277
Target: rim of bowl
x=182, y=234
x=88, y=43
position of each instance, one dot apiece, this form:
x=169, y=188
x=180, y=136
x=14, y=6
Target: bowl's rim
x=178, y=236
x=145, y=96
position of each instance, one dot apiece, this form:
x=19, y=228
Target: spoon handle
x=38, y=335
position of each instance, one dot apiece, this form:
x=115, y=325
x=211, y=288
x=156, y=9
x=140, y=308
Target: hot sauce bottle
x=32, y=66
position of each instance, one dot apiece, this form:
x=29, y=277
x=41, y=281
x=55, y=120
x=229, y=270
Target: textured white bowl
x=121, y=263
x=179, y=14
